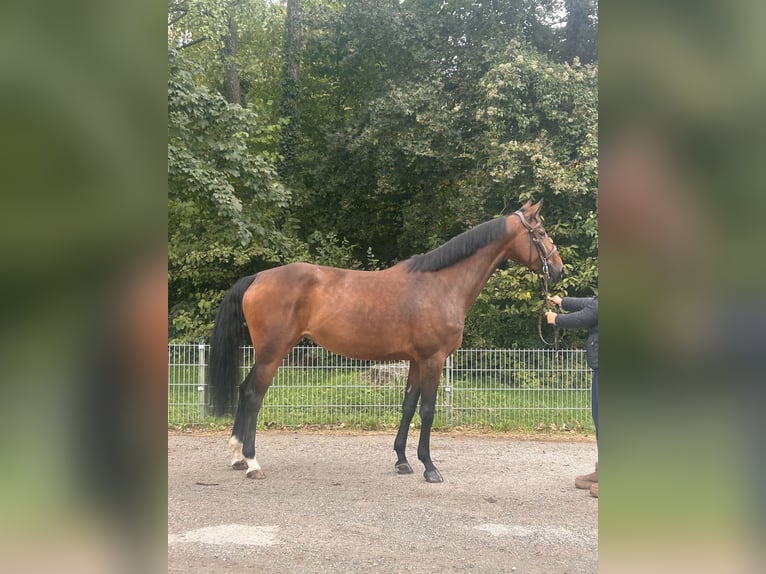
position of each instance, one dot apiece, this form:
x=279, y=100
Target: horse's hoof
x=255, y=473
x=433, y=476
x=239, y=465
x=404, y=468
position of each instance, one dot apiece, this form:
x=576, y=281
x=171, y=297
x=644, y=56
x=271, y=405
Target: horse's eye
x=542, y=234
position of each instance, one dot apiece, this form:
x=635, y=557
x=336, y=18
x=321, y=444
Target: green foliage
x=422, y=165
x=539, y=125
x=198, y=29
x=580, y=37
x=333, y=251
x=225, y=203
x=418, y=120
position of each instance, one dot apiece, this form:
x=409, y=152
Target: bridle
x=544, y=271
x=544, y=268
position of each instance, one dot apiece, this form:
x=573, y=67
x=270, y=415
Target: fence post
x=201, y=378
x=448, y=390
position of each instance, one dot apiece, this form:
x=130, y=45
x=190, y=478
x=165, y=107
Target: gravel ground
x=332, y=502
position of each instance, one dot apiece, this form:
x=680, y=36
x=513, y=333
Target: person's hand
x=550, y=316
x=555, y=299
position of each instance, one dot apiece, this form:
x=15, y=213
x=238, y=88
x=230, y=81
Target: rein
x=540, y=323
x=544, y=275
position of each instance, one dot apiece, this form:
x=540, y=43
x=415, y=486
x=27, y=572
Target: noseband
x=536, y=242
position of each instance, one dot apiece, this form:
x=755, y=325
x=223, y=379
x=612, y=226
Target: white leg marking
x=235, y=447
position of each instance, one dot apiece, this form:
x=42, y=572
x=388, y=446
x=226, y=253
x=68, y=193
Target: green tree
x=418, y=120
x=580, y=35
x=539, y=125
x=235, y=45
x=434, y=165
x=226, y=207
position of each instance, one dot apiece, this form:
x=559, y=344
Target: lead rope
x=546, y=305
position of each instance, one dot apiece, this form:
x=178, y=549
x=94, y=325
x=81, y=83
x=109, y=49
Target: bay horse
x=413, y=311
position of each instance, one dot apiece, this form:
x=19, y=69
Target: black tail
x=225, y=341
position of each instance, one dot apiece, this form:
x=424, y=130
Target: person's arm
x=574, y=303
x=585, y=318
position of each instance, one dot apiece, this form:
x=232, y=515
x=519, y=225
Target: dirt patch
x=332, y=502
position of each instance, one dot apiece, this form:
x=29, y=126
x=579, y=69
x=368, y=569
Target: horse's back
x=311, y=288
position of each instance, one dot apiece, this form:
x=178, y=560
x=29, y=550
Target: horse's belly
x=386, y=341
x=363, y=345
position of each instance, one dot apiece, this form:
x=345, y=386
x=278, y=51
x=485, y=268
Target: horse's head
x=532, y=246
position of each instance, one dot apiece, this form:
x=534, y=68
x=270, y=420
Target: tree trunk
x=288, y=104
x=293, y=40
x=231, y=87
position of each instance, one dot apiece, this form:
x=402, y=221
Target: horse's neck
x=469, y=276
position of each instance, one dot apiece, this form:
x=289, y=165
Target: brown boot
x=594, y=489
x=585, y=481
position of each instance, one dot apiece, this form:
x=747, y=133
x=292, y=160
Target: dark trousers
x=594, y=399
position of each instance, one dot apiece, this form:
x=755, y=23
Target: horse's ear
x=535, y=209
x=526, y=205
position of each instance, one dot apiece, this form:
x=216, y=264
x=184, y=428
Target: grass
x=346, y=398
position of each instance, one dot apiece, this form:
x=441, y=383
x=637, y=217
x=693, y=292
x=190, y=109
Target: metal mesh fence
x=187, y=396
x=504, y=389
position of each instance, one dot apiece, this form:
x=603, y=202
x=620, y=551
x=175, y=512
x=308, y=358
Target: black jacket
x=584, y=315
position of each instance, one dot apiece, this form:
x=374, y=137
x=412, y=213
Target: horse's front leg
x=430, y=385
x=411, y=395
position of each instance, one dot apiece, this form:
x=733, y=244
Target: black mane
x=459, y=247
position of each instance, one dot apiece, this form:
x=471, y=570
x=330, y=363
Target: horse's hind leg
x=411, y=395
x=252, y=400
x=238, y=432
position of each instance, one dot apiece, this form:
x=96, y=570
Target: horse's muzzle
x=555, y=274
